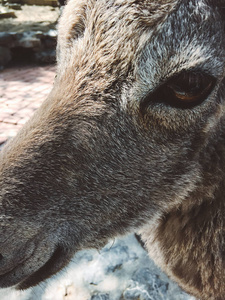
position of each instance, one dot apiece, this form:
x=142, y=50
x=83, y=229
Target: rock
x=6, y=13
x=41, y=44
x=33, y=32
x=7, y=39
x=5, y=56
x=100, y=297
x=48, y=56
x=48, y=42
x=145, y=285
x=14, y=1
x=15, y=6
x=29, y=40
x=41, y=2
x=52, y=33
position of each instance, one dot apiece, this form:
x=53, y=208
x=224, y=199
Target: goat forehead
x=148, y=11
x=112, y=21
x=191, y=37
x=142, y=12
x=112, y=30
x=115, y=32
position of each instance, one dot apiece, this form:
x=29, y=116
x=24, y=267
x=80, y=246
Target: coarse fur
x=93, y=163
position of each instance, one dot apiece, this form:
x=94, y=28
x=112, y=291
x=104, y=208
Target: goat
x=130, y=139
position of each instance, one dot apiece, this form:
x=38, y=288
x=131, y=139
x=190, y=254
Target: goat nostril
x=1, y=257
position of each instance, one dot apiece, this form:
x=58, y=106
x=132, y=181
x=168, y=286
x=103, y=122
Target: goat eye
x=190, y=87
x=185, y=90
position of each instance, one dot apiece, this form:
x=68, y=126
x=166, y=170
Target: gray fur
x=89, y=166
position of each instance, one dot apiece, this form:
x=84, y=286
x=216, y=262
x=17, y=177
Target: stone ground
x=22, y=90
x=121, y=270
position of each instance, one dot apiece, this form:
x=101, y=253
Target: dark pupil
x=192, y=84
x=185, y=90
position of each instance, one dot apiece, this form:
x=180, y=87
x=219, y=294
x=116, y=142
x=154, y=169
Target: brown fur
x=95, y=162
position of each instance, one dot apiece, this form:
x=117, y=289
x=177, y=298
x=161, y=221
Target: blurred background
x=28, y=31
x=28, y=34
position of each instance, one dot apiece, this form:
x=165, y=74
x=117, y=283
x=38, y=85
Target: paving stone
x=22, y=90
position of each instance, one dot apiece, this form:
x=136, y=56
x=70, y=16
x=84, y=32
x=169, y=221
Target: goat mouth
x=57, y=261
x=21, y=278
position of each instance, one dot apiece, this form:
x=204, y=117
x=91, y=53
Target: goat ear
x=71, y=28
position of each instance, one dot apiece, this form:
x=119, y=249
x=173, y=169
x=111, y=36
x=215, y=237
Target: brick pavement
x=22, y=90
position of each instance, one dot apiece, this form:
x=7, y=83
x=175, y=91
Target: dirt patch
x=31, y=18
